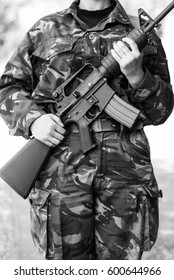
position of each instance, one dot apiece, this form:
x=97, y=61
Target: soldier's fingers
x=48, y=143
x=124, y=47
x=57, y=120
x=119, y=48
x=57, y=136
x=60, y=130
x=54, y=141
x=116, y=56
x=131, y=43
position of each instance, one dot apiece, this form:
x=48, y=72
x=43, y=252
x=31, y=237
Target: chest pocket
x=57, y=54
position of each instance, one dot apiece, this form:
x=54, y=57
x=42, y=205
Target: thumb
x=57, y=120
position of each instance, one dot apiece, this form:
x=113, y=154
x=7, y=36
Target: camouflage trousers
x=103, y=205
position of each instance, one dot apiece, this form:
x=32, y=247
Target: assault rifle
x=81, y=106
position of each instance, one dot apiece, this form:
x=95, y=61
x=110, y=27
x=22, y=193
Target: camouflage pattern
x=100, y=206
x=103, y=205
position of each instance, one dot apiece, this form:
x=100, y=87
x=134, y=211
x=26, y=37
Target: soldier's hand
x=127, y=54
x=48, y=129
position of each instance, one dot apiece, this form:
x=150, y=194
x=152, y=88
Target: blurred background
x=16, y=17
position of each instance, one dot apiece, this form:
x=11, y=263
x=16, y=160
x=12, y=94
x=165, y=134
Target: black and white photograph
x=86, y=140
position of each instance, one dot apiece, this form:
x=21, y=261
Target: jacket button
x=160, y=193
x=91, y=36
x=55, y=94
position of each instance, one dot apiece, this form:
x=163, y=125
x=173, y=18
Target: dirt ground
x=15, y=238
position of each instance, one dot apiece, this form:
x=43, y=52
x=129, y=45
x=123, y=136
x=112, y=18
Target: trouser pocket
x=148, y=201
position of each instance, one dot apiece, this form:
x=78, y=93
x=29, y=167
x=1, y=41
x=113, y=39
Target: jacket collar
x=118, y=14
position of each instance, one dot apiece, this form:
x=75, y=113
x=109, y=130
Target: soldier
x=102, y=204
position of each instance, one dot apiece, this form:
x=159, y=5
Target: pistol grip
x=85, y=137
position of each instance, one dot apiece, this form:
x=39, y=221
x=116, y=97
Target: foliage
x=16, y=17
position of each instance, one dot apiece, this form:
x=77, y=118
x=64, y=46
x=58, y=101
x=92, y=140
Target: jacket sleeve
x=16, y=85
x=154, y=96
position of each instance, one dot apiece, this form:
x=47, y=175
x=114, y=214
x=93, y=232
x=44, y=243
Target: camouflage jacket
x=65, y=36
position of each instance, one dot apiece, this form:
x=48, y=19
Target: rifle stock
x=22, y=170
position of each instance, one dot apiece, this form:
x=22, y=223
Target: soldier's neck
x=93, y=5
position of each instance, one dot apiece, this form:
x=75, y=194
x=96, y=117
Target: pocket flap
x=151, y=188
x=53, y=47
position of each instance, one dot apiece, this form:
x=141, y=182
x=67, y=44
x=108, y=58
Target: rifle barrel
x=164, y=12
x=160, y=16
